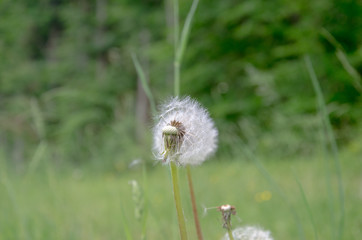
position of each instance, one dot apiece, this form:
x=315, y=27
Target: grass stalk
x=37, y=157
x=176, y=25
x=176, y=63
x=332, y=142
x=186, y=31
x=177, y=78
x=177, y=196
x=180, y=45
x=142, y=77
x=342, y=57
x=306, y=203
x=193, y=201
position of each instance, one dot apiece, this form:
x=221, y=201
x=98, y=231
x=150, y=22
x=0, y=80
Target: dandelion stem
x=193, y=202
x=229, y=231
x=177, y=196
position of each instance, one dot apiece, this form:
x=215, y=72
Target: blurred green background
x=72, y=107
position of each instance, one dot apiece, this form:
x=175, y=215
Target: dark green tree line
x=67, y=77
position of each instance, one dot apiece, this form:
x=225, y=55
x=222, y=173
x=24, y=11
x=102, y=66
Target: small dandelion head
x=226, y=212
x=184, y=132
x=249, y=233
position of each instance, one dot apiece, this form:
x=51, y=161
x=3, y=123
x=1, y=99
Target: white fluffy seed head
x=199, y=135
x=249, y=233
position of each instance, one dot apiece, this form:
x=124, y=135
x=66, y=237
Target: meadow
x=78, y=203
x=80, y=85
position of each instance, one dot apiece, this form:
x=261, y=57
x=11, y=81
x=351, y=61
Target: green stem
x=177, y=196
x=193, y=202
x=230, y=232
x=176, y=25
x=177, y=77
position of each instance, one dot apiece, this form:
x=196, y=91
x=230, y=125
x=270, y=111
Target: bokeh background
x=73, y=111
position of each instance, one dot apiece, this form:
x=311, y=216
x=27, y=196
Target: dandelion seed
x=134, y=163
x=185, y=133
x=249, y=233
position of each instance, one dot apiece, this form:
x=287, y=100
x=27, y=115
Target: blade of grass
x=342, y=57
x=186, y=31
x=350, y=69
x=145, y=86
x=181, y=46
x=332, y=142
x=176, y=64
x=37, y=157
x=306, y=203
x=176, y=24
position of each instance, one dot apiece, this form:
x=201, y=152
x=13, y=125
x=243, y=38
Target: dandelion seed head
x=249, y=233
x=184, y=132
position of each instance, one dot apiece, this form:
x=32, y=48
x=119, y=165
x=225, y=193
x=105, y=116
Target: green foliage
x=67, y=76
x=248, y=56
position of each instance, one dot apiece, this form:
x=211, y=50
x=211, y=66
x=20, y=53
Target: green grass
x=79, y=204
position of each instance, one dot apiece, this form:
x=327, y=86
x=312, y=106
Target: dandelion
x=185, y=133
x=226, y=212
x=249, y=233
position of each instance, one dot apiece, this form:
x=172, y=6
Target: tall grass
x=331, y=142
